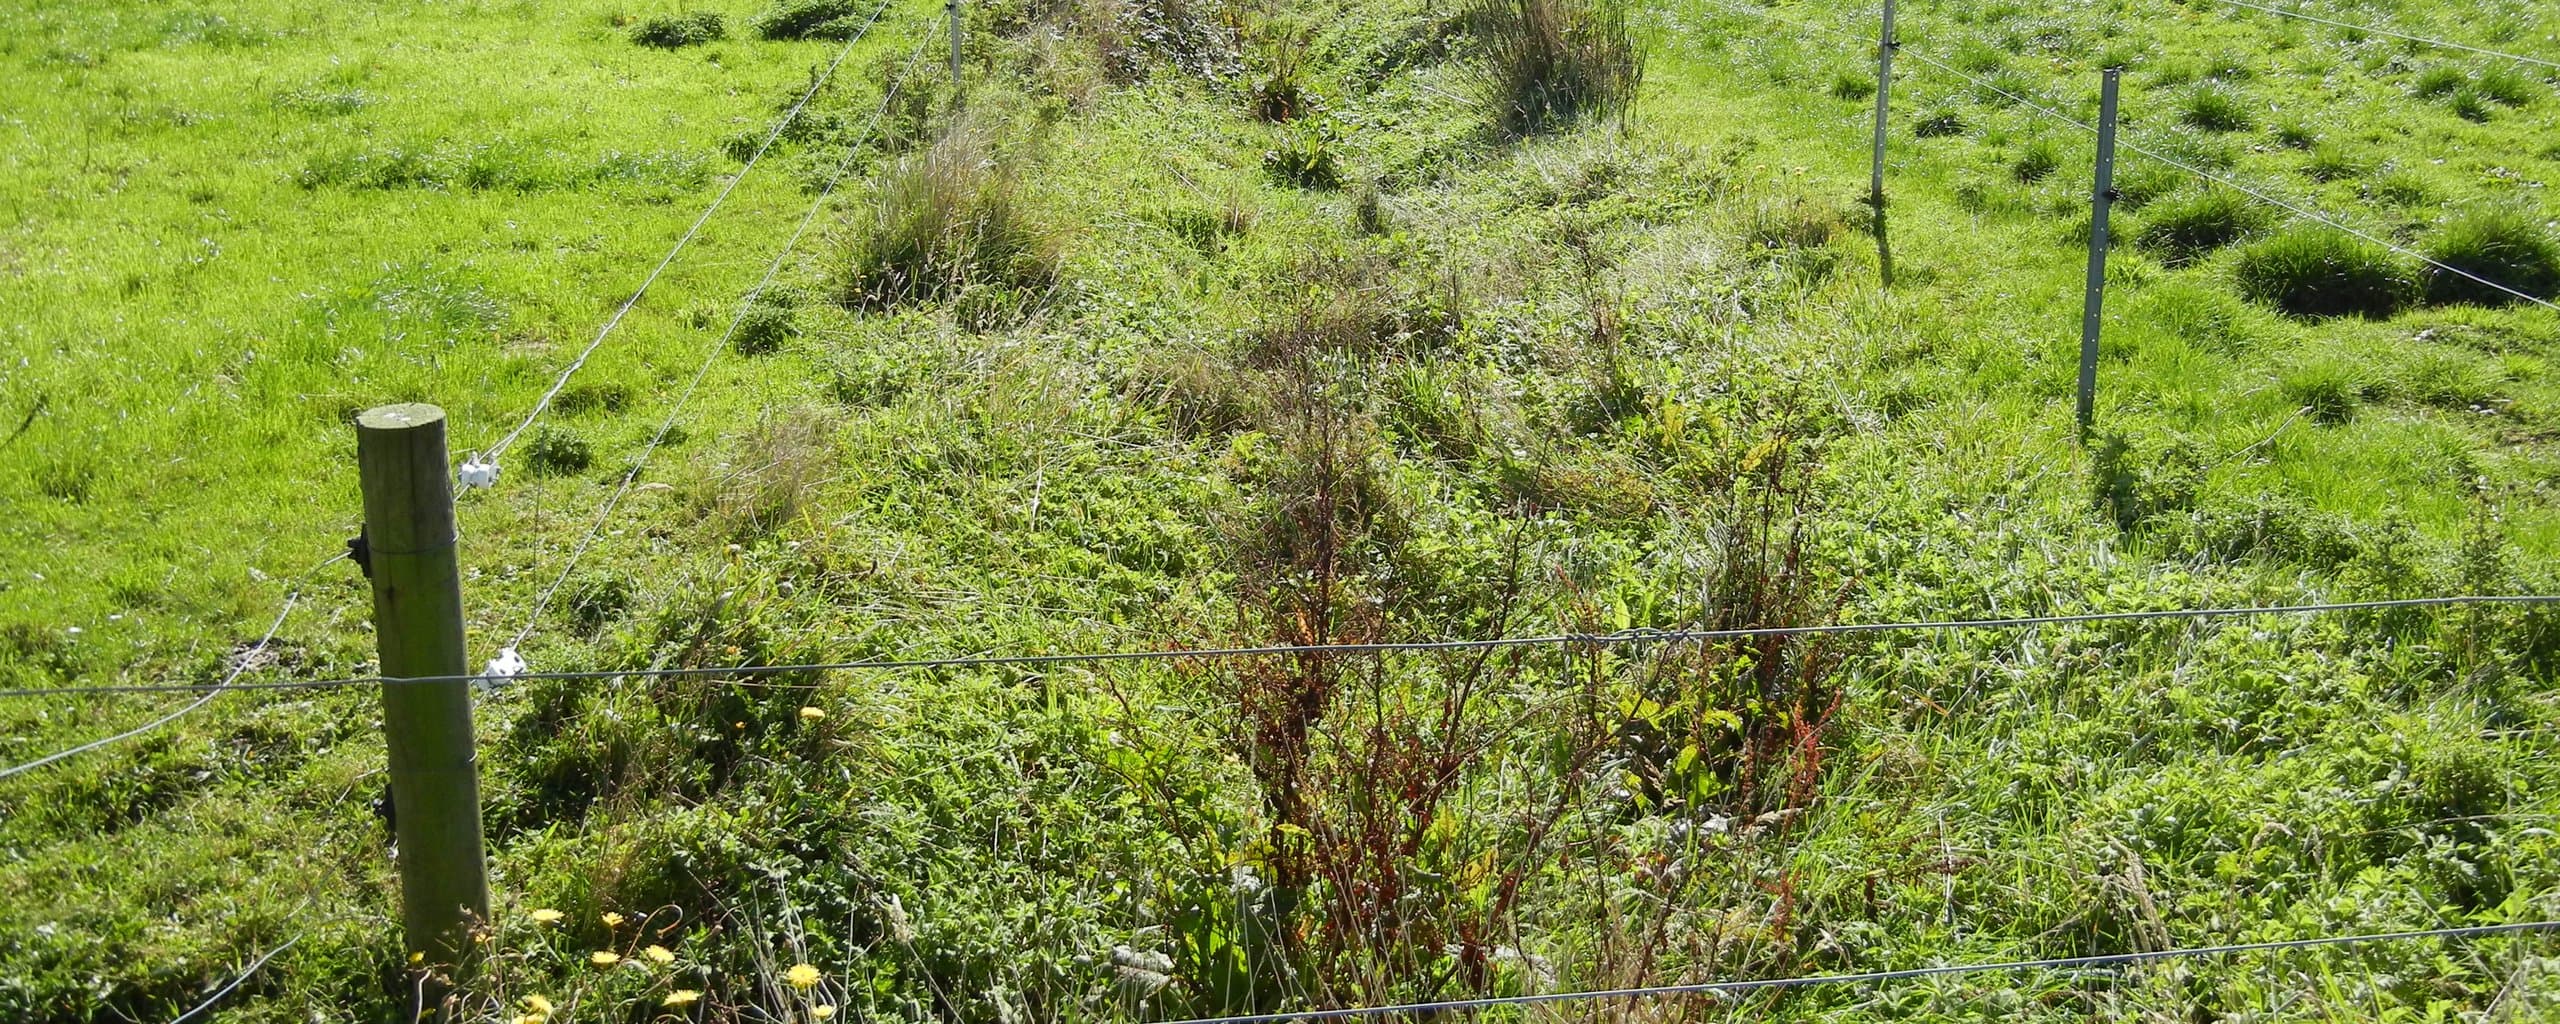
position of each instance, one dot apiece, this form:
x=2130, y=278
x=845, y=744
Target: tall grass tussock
x=2318, y=272
x=2189, y=228
x=1549, y=63
x=948, y=219
x=2497, y=245
x=809, y=19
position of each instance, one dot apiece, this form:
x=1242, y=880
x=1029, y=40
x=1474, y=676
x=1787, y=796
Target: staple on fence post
x=2100, y=201
x=1886, y=43
x=408, y=549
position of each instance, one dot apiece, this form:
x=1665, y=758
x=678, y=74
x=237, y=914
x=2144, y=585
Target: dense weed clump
x=765, y=324
x=948, y=220
x=1280, y=91
x=671, y=31
x=2500, y=245
x=558, y=451
x=2317, y=272
x=1938, y=124
x=1303, y=156
x=809, y=19
x=1549, y=63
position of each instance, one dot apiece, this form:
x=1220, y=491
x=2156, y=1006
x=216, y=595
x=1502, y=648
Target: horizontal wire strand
x=2297, y=210
x=2352, y=26
x=717, y=201
x=240, y=664
x=1875, y=977
x=1645, y=636
x=604, y=512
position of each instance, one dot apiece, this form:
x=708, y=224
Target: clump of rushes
x=1548, y=63
x=2319, y=272
x=2500, y=245
x=668, y=32
x=949, y=218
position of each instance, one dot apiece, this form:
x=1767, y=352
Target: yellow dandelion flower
x=680, y=997
x=658, y=955
x=546, y=915
x=822, y=1011
x=612, y=920
x=417, y=958
x=604, y=958
x=802, y=976
x=531, y=1018
x=812, y=714
x=538, y=1003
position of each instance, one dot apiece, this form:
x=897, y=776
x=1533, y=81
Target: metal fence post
x=1886, y=43
x=2100, y=201
x=952, y=8
x=408, y=551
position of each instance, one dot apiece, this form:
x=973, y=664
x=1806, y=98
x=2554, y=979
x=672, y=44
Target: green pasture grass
x=234, y=231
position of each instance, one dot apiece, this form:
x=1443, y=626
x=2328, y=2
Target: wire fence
x=2049, y=110
x=816, y=84
x=2444, y=44
x=631, y=476
x=1742, y=987
x=752, y=674
x=2295, y=209
x=746, y=674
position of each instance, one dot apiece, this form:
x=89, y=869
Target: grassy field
x=1207, y=325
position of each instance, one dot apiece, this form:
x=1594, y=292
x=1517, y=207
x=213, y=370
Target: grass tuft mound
x=2318, y=272
x=668, y=32
x=1548, y=63
x=2189, y=228
x=949, y=221
x=809, y=19
x=2215, y=108
x=2499, y=245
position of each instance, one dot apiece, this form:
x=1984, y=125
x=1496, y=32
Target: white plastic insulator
x=476, y=472
x=507, y=665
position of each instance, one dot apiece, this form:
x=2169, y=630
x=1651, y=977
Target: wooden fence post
x=408, y=551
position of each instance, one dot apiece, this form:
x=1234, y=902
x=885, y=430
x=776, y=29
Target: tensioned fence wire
x=241, y=662
x=745, y=675
x=818, y=83
x=2446, y=44
x=1745, y=986
x=631, y=476
x=2048, y=110
x=244, y=660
